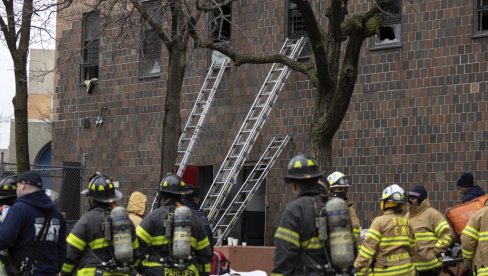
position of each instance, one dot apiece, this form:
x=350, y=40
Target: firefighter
x=298, y=248
x=389, y=242
x=91, y=249
x=432, y=233
x=338, y=187
x=158, y=242
x=475, y=243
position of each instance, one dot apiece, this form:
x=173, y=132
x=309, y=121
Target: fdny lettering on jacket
x=400, y=226
x=53, y=231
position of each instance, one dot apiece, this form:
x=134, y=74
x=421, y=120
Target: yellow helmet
x=338, y=180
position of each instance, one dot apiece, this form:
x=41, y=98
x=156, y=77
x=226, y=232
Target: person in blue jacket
x=192, y=201
x=34, y=230
x=467, y=187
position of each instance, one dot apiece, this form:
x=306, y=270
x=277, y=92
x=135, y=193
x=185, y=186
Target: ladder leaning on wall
x=196, y=119
x=239, y=203
x=248, y=133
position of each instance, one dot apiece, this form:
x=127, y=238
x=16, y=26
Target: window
x=390, y=30
x=481, y=21
x=220, y=30
x=150, y=57
x=91, y=45
x=296, y=28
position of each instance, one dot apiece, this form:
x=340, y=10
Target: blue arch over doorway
x=42, y=164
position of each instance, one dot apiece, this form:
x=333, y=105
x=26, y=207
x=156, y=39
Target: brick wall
x=418, y=114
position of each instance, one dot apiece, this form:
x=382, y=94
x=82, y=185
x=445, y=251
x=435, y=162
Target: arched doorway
x=42, y=165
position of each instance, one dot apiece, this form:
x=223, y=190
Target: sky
x=7, y=83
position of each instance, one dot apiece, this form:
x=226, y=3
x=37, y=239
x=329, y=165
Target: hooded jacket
x=387, y=247
x=18, y=231
x=136, y=207
x=432, y=234
x=473, y=193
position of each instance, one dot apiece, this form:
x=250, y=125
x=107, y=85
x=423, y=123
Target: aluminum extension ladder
x=248, y=133
x=197, y=117
x=239, y=203
x=195, y=121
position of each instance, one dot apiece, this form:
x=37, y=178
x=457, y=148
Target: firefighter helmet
x=8, y=187
x=303, y=167
x=101, y=188
x=173, y=184
x=338, y=180
x=392, y=197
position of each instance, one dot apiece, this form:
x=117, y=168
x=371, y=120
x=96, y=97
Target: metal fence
x=65, y=182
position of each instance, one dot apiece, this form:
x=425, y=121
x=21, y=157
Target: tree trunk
x=20, y=112
x=172, y=118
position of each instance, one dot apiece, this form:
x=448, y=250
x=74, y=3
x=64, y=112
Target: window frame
x=396, y=24
x=152, y=57
x=216, y=56
x=87, y=40
x=478, y=8
x=306, y=53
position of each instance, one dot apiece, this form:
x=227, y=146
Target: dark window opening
x=91, y=46
x=296, y=28
x=482, y=16
x=150, y=54
x=390, y=30
x=221, y=24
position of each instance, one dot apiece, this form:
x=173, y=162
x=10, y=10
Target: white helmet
x=394, y=193
x=338, y=180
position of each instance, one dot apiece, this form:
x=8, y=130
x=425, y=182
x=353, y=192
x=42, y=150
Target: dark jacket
x=87, y=246
x=298, y=249
x=18, y=231
x=473, y=193
x=156, y=245
x=202, y=217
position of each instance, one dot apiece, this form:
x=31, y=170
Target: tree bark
x=21, y=118
x=172, y=118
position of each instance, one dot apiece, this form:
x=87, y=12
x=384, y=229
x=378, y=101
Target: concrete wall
x=39, y=136
x=418, y=114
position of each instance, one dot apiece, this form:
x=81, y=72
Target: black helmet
x=303, y=167
x=102, y=189
x=8, y=187
x=173, y=184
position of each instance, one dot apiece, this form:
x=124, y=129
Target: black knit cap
x=466, y=180
x=31, y=178
x=418, y=192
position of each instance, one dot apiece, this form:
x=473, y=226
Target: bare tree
x=334, y=69
x=22, y=24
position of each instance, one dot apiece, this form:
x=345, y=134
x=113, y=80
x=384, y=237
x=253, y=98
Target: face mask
x=342, y=195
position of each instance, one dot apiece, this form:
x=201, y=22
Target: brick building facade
x=418, y=114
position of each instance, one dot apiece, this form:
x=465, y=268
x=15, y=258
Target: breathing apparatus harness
x=177, y=225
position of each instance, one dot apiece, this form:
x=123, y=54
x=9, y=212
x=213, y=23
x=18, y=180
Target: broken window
x=91, y=45
x=150, y=54
x=221, y=24
x=390, y=31
x=481, y=24
x=296, y=28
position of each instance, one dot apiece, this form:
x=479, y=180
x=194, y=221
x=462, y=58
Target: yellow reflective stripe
x=427, y=265
x=366, y=252
x=207, y=268
x=312, y=243
x=483, y=236
x=68, y=267
x=159, y=240
x=276, y=274
x=425, y=236
x=395, y=241
x=148, y=263
x=135, y=244
x=470, y=231
x=482, y=271
x=394, y=270
x=76, y=242
x=374, y=233
x=374, y=237
x=99, y=243
x=90, y=271
x=467, y=254
x=440, y=228
x=202, y=244
x=288, y=235
x=143, y=234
